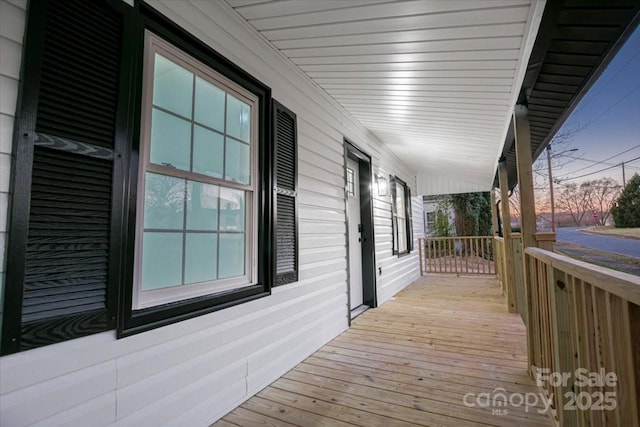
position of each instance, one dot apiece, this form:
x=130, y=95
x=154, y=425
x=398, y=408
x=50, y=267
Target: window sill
x=155, y=317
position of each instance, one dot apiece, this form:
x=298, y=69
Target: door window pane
x=351, y=191
x=208, y=152
x=201, y=257
x=163, y=202
x=238, y=162
x=238, y=119
x=170, y=140
x=209, y=104
x=231, y=255
x=161, y=260
x=172, y=86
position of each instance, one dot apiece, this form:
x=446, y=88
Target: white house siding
x=193, y=372
x=12, y=22
x=396, y=272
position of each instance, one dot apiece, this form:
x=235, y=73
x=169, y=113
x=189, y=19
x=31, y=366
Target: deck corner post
x=545, y=240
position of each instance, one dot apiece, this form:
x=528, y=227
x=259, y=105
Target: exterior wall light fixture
x=383, y=186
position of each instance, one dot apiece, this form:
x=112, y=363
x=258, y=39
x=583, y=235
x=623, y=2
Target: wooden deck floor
x=409, y=362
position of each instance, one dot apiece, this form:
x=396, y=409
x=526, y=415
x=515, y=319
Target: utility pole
x=553, y=210
x=624, y=179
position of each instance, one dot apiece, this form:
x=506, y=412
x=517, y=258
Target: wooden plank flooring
x=409, y=362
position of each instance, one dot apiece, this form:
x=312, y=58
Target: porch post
x=494, y=213
x=527, y=213
x=506, y=234
x=525, y=176
x=497, y=248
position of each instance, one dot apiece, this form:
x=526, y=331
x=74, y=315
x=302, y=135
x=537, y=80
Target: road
x=618, y=245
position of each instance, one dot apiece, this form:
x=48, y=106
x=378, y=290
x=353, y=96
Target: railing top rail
x=456, y=238
x=624, y=285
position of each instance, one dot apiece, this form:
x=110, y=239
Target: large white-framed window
x=196, y=221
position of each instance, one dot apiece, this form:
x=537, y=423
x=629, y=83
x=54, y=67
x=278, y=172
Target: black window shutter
x=60, y=225
x=285, y=186
x=407, y=196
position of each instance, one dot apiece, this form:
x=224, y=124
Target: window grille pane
x=161, y=260
x=202, y=206
x=238, y=162
x=163, y=202
x=201, y=257
x=209, y=105
x=232, y=209
x=400, y=204
x=238, y=119
x=231, y=256
x=172, y=87
x=208, y=152
x=402, y=235
x=170, y=140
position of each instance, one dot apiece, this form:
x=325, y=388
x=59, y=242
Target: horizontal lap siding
x=193, y=372
x=12, y=24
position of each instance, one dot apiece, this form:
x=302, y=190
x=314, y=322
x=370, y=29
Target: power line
x=598, y=171
x=602, y=161
x=596, y=162
x=590, y=122
x=611, y=79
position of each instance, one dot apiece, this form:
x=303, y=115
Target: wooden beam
x=525, y=176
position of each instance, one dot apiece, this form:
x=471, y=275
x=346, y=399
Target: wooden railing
x=457, y=255
x=584, y=338
x=500, y=260
x=509, y=270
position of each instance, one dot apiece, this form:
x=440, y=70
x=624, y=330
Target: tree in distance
x=626, y=211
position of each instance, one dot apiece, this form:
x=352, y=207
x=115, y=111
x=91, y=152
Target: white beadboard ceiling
x=435, y=80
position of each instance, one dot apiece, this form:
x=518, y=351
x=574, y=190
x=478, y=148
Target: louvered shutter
x=285, y=182
x=58, y=260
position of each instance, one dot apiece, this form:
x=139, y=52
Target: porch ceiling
x=434, y=80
